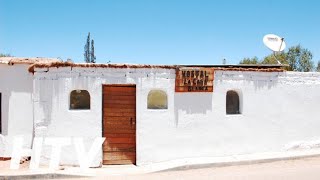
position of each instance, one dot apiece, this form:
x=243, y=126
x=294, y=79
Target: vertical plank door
x=119, y=124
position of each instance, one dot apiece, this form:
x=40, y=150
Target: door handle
x=132, y=122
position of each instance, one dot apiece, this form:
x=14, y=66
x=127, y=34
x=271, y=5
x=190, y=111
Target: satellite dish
x=274, y=42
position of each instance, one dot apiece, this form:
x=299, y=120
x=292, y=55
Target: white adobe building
x=152, y=114
x=16, y=112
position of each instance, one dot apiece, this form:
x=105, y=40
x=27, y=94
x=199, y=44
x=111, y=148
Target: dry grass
x=134, y=66
x=93, y=65
x=26, y=60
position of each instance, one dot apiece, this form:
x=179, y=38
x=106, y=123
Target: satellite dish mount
x=275, y=44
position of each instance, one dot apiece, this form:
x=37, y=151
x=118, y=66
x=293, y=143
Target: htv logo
x=84, y=158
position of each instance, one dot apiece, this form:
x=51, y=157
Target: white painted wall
x=278, y=110
x=17, y=111
x=52, y=90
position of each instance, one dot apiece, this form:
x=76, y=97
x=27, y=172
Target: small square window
x=157, y=99
x=79, y=99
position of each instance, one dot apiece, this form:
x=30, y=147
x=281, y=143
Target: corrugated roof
x=27, y=60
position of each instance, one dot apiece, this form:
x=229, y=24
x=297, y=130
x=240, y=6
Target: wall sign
x=194, y=79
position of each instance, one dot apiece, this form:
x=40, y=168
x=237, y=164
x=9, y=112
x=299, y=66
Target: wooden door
x=119, y=124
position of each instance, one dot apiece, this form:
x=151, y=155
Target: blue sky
x=156, y=31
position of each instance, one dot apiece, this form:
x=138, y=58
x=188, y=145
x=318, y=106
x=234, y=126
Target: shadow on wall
x=192, y=103
x=14, y=79
x=262, y=82
x=4, y=112
x=259, y=81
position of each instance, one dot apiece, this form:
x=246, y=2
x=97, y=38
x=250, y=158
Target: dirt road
x=300, y=169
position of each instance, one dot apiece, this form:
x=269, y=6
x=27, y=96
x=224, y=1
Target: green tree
x=88, y=54
x=253, y=60
x=318, y=66
x=272, y=59
x=92, y=56
x=5, y=55
x=299, y=59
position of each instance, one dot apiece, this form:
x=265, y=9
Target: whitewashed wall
x=278, y=111
x=17, y=107
x=52, y=90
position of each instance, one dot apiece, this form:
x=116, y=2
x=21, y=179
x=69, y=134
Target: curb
x=176, y=165
x=41, y=176
x=236, y=163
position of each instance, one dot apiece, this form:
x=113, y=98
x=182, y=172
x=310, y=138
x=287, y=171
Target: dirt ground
x=300, y=169
x=305, y=168
x=5, y=165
